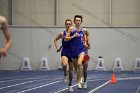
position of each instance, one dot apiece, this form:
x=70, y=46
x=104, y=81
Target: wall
x=37, y=42
x=96, y=13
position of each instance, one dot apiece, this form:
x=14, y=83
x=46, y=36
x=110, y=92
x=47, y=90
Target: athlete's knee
x=64, y=63
x=79, y=63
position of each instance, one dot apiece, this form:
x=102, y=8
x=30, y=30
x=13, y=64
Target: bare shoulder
x=61, y=33
x=85, y=29
x=59, y=36
x=2, y=19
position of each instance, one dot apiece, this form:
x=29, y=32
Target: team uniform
x=86, y=57
x=65, y=47
x=77, y=45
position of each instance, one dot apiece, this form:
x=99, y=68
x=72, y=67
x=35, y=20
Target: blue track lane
x=52, y=82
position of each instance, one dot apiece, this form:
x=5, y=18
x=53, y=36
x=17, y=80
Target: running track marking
x=38, y=87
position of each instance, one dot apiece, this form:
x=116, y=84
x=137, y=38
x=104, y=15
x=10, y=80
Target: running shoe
x=79, y=86
x=70, y=89
x=65, y=79
x=85, y=85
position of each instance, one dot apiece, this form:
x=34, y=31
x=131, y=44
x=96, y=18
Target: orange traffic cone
x=113, y=79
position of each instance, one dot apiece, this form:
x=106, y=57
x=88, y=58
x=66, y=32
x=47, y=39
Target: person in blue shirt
x=65, y=53
x=77, y=49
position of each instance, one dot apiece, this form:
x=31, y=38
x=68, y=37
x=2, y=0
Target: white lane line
x=27, y=87
x=23, y=88
x=75, y=85
x=17, y=77
x=64, y=89
x=67, y=87
x=129, y=78
x=21, y=83
x=138, y=90
x=16, y=84
x=39, y=87
x=28, y=79
x=106, y=83
x=99, y=87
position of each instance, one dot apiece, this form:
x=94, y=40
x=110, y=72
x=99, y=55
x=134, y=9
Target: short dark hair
x=79, y=16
